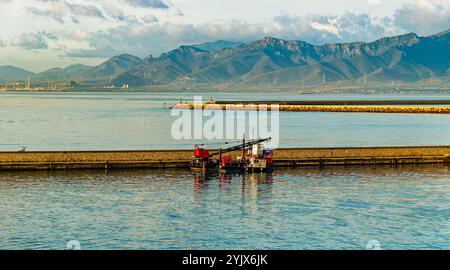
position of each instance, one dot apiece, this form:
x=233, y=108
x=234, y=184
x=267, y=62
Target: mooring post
x=243, y=147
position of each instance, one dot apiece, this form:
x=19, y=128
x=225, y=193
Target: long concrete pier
x=287, y=157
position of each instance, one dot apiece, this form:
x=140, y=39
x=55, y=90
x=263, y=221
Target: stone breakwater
x=339, y=102
x=320, y=108
x=289, y=157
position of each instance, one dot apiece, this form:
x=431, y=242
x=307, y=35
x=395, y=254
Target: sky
x=41, y=34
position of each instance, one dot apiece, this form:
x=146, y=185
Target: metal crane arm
x=242, y=145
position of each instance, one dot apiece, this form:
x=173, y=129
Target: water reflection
x=303, y=208
x=253, y=183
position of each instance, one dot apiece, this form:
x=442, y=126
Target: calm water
x=86, y=121
x=334, y=208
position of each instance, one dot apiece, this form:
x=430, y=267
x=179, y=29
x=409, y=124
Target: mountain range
x=268, y=61
x=11, y=73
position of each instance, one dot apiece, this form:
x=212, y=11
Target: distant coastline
x=406, y=89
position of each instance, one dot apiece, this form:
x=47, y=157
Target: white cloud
x=374, y=2
x=319, y=29
x=131, y=19
x=424, y=17
x=149, y=18
x=30, y=41
x=114, y=12
x=77, y=35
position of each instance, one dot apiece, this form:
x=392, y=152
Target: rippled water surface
x=332, y=208
x=104, y=121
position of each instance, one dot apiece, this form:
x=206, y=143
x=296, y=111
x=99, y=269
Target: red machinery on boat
x=254, y=159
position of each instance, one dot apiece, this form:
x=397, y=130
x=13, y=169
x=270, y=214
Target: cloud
x=85, y=10
x=48, y=35
x=79, y=34
x=76, y=35
x=319, y=29
x=119, y=15
x=424, y=17
x=30, y=41
x=147, y=3
x=125, y=38
x=57, y=16
x=59, y=9
x=361, y=27
x=149, y=18
x=311, y=28
x=114, y=12
x=75, y=20
x=144, y=39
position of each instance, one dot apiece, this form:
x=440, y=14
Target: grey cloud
x=118, y=14
x=30, y=41
x=114, y=12
x=59, y=9
x=75, y=20
x=85, y=10
x=57, y=16
x=423, y=17
x=149, y=18
x=48, y=35
x=147, y=3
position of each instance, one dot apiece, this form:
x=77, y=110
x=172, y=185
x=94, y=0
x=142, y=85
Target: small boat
x=260, y=160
